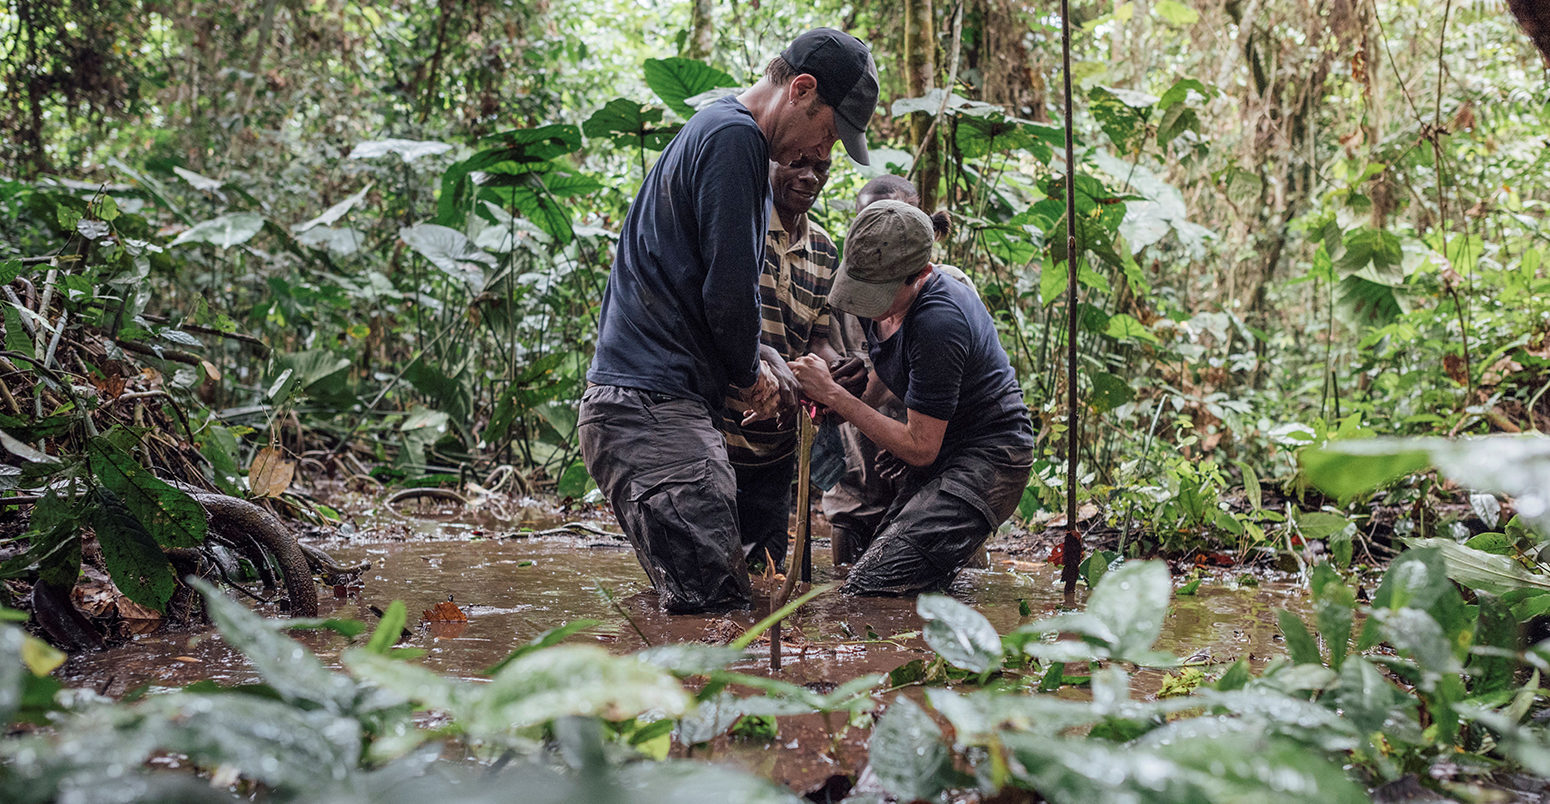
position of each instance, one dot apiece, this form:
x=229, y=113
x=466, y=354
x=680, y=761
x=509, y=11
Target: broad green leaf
x=1109, y=391
x=287, y=748
x=16, y=337
x=1482, y=571
x=1053, y=282
x=1121, y=114
x=449, y=250
x=199, y=182
x=168, y=515
x=387, y=632
x=1415, y=633
x=1122, y=326
x=1132, y=601
x=231, y=229
x=1334, y=610
x=285, y=665
x=908, y=755
x=1175, y=13
x=959, y=634
x=135, y=561
x=1495, y=543
x=628, y=123
x=1339, y=469
x=1320, y=525
x=407, y=150
x=1496, y=630
x=931, y=102
x=675, y=80
x=549, y=638
x=569, y=680
x=1300, y=645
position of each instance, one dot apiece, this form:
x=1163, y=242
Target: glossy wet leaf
x=959, y=634
x=570, y=680
x=1480, y=570
x=271, y=741
x=553, y=636
x=907, y=753
x=168, y=514
x=1367, y=698
x=134, y=559
x=292, y=670
x=1300, y=645
x=1132, y=601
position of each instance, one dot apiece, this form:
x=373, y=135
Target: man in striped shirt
x=799, y=265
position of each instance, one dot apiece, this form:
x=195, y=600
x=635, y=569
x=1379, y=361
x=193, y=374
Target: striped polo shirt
x=794, y=306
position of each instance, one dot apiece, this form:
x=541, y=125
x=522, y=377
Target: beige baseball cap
x=888, y=242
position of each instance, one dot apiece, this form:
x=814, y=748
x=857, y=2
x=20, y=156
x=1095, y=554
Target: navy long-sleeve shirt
x=681, y=312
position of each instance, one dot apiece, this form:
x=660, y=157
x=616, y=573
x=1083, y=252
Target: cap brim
x=864, y=299
x=855, y=142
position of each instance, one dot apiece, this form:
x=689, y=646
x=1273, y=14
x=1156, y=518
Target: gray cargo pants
x=663, y=464
x=939, y=518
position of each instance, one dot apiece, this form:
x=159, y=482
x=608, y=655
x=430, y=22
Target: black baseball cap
x=847, y=81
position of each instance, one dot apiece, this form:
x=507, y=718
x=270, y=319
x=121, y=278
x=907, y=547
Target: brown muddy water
x=513, y=589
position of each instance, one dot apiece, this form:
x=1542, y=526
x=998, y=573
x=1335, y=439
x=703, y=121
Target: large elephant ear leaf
x=449, y=250
x=631, y=124
x=676, y=80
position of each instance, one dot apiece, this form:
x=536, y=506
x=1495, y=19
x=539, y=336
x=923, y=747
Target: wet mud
x=513, y=589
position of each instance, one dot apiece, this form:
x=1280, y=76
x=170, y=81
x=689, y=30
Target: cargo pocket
x=974, y=499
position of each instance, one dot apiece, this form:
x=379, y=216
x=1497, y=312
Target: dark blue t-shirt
x=946, y=361
x=681, y=312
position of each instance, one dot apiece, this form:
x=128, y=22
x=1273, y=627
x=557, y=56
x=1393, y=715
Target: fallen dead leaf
x=444, y=612
x=270, y=475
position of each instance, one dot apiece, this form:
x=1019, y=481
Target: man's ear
x=801, y=89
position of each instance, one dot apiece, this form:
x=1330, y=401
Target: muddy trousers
x=663, y=465
x=940, y=518
x=764, y=510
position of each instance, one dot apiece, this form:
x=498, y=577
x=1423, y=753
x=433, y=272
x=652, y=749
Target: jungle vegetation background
x=388, y=224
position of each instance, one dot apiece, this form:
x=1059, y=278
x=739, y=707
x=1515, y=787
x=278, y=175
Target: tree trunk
x=702, y=31
x=920, y=75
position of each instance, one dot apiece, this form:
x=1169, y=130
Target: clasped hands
x=782, y=383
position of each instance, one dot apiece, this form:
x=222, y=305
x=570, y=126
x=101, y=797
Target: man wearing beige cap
x=680, y=322
x=966, y=434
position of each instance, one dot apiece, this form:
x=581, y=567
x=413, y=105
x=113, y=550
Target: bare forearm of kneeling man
x=917, y=441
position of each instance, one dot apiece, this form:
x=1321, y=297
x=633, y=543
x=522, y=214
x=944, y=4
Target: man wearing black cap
x=680, y=320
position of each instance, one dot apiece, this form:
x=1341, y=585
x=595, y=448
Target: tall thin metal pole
x=1071, y=551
